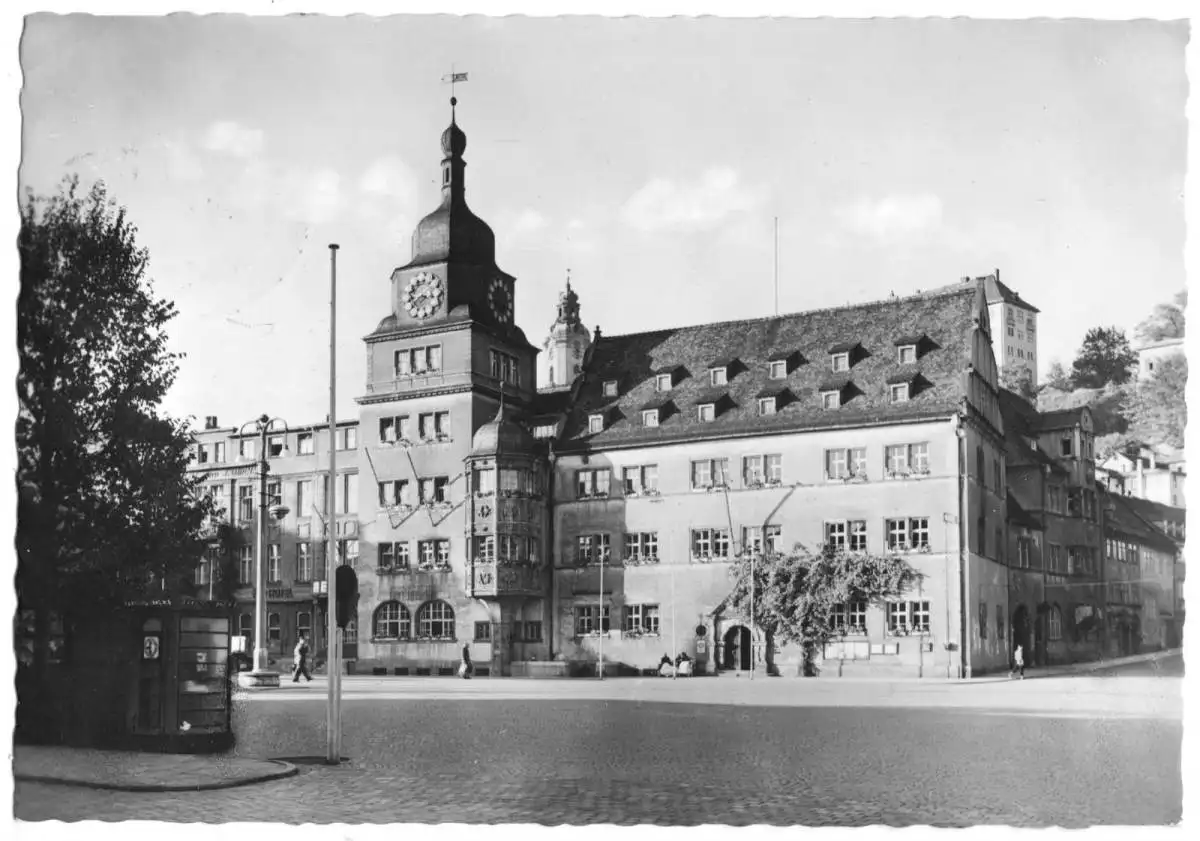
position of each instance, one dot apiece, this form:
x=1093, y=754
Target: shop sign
x=279, y=592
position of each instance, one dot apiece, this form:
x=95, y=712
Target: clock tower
x=439, y=367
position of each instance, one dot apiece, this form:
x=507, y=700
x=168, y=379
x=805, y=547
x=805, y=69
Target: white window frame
x=610, y=388
x=587, y=483
x=766, y=405
x=663, y=382
x=906, y=354
x=898, y=392
x=274, y=563
x=718, y=376
x=831, y=399
x=306, y=444
x=595, y=423
x=777, y=370
x=706, y=412
x=839, y=362
x=650, y=417
x=715, y=541
x=643, y=619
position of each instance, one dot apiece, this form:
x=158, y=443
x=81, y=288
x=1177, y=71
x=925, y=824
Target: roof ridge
x=943, y=292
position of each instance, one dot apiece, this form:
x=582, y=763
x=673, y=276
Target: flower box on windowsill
x=442, y=439
x=919, y=472
x=774, y=483
x=637, y=633
x=902, y=473
x=755, y=484
x=907, y=632
x=437, y=639
x=651, y=492
x=638, y=560
x=718, y=486
x=593, y=635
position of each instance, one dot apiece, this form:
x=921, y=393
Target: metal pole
x=674, y=646
x=260, y=575
x=777, y=265
x=753, y=555
x=333, y=645
x=600, y=620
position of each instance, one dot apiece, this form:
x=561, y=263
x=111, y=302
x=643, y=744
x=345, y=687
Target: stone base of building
x=540, y=669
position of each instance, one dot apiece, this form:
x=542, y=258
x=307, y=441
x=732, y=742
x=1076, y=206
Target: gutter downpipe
x=964, y=573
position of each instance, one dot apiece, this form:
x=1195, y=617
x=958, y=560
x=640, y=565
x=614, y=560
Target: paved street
x=1057, y=750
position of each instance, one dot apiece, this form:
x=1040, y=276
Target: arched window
x=303, y=624
x=1055, y=623
x=392, y=622
x=435, y=620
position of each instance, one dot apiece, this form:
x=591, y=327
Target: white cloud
x=666, y=205
x=389, y=177
x=182, y=163
x=233, y=139
x=528, y=221
x=314, y=196
x=893, y=217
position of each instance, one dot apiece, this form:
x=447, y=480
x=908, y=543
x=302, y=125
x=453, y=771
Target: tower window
x=504, y=367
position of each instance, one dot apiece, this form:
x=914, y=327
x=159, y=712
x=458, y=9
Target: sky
x=649, y=157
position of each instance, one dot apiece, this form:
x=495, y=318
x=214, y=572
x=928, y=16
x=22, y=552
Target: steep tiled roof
x=1156, y=512
x=1060, y=418
x=1018, y=516
x=1122, y=519
x=946, y=317
x=1021, y=421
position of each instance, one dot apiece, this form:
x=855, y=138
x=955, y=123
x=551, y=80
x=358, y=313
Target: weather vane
x=452, y=78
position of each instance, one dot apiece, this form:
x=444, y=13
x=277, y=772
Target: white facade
x=1014, y=341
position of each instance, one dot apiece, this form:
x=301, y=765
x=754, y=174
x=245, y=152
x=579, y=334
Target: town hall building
x=599, y=515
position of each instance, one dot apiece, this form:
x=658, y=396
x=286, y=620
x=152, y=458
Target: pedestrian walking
x=465, y=668
x=1018, y=666
x=300, y=660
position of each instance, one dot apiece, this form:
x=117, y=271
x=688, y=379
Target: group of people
x=682, y=665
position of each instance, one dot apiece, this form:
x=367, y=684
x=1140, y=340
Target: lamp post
x=261, y=675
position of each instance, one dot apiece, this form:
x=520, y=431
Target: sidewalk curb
x=286, y=769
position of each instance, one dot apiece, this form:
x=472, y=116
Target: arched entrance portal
x=737, y=648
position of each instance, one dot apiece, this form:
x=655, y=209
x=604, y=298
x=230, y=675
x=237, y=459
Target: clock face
x=500, y=300
x=423, y=294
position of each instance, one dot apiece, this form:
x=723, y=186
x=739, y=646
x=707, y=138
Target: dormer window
x=650, y=417
x=831, y=399
x=906, y=354
x=840, y=361
x=595, y=423
x=899, y=392
x=718, y=376
x=662, y=382
x=610, y=388
x=707, y=412
x=778, y=369
x=766, y=405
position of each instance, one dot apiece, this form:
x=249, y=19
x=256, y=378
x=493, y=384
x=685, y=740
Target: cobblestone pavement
x=547, y=760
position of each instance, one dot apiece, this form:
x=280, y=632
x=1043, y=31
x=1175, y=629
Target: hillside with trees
x=1127, y=412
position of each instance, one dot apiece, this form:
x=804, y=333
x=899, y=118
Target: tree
x=1019, y=381
x=795, y=594
x=1156, y=408
x=1105, y=357
x=1057, y=378
x=1167, y=321
x=105, y=508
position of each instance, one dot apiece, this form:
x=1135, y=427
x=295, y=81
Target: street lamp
x=261, y=675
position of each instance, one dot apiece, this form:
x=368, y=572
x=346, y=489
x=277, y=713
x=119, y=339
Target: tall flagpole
x=600, y=619
x=674, y=646
x=333, y=655
x=777, y=265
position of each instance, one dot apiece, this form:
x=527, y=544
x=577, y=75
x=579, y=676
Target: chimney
x=210, y=421
x=966, y=279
